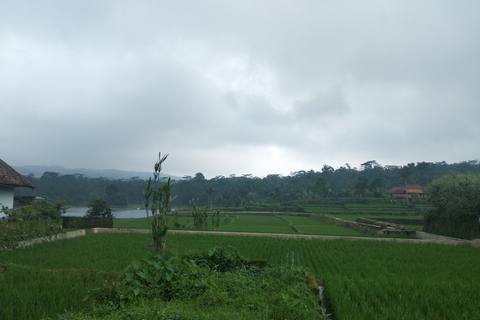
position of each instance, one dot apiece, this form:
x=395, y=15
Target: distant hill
x=38, y=171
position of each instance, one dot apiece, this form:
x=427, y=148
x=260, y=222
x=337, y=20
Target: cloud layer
x=238, y=87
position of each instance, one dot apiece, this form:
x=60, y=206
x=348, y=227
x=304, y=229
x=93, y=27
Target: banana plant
x=161, y=205
x=147, y=193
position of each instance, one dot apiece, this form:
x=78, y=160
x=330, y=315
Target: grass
x=219, y=284
x=362, y=279
x=99, y=252
x=257, y=223
x=378, y=209
x=353, y=217
x=31, y=293
x=238, y=223
x=308, y=225
x=285, y=224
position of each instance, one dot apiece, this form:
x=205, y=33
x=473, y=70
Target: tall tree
x=406, y=173
x=327, y=172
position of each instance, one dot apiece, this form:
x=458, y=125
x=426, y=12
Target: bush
x=217, y=281
x=38, y=210
x=21, y=230
x=456, y=206
x=98, y=209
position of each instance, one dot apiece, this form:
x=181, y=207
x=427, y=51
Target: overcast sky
x=238, y=87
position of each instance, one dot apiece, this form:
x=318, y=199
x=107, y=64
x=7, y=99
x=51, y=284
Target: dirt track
x=434, y=238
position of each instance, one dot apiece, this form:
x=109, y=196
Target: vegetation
x=199, y=215
x=29, y=292
x=455, y=208
x=42, y=218
x=312, y=225
x=38, y=210
x=217, y=280
x=13, y=232
x=362, y=279
x=327, y=186
x=98, y=209
x=161, y=206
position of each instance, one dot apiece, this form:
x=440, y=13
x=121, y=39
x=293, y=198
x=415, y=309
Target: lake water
x=120, y=214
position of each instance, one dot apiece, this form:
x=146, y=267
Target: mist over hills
x=38, y=171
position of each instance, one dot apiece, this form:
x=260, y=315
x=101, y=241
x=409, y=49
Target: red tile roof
x=411, y=188
x=10, y=177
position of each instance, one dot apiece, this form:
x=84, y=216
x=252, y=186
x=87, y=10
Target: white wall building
x=9, y=180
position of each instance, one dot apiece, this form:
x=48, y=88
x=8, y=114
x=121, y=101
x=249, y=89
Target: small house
x=9, y=180
x=411, y=190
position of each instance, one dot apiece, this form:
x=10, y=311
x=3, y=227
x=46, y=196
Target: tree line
x=370, y=180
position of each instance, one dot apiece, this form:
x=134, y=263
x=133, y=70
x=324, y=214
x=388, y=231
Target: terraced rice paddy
x=362, y=279
x=256, y=223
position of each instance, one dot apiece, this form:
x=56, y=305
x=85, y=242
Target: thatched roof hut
x=11, y=178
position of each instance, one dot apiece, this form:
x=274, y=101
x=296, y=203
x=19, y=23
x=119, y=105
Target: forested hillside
x=369, y=181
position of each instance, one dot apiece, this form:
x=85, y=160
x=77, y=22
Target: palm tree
x=327, y=171
x=406, y=173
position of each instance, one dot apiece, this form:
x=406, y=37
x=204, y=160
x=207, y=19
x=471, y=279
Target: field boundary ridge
x=66, y=235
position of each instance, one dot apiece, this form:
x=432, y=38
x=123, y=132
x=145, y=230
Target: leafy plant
x=38, y=210
x=161, y=205
x=200, y=215
x=218, y=278
x=456, y=206
x=99, y=209
x=147, y=193
x=215, y=216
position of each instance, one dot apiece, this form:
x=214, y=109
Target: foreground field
x=362, y=279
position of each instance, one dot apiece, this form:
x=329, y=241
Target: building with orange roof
x=410, y=191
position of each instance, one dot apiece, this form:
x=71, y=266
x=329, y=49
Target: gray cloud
x=248, y=87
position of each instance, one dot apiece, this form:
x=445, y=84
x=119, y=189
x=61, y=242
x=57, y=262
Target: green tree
x=98, y=209
x=210, y=193
x=376, y=187
x=362, y=186
x=327, y=172
x=60, y=206
x=456, y=194
x=407, y=174
x=252, y=196
x=456, y=206
x=114, y=196
x=320, y=187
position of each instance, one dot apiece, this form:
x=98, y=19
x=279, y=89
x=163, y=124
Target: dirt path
x=435, y=239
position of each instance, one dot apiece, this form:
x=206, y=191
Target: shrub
x=98, y=209
x=38, y=210
x=12, y=232
x=219, y=279
x=456, y=206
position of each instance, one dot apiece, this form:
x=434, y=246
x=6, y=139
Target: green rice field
x=256, y=223
x=362, y=279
